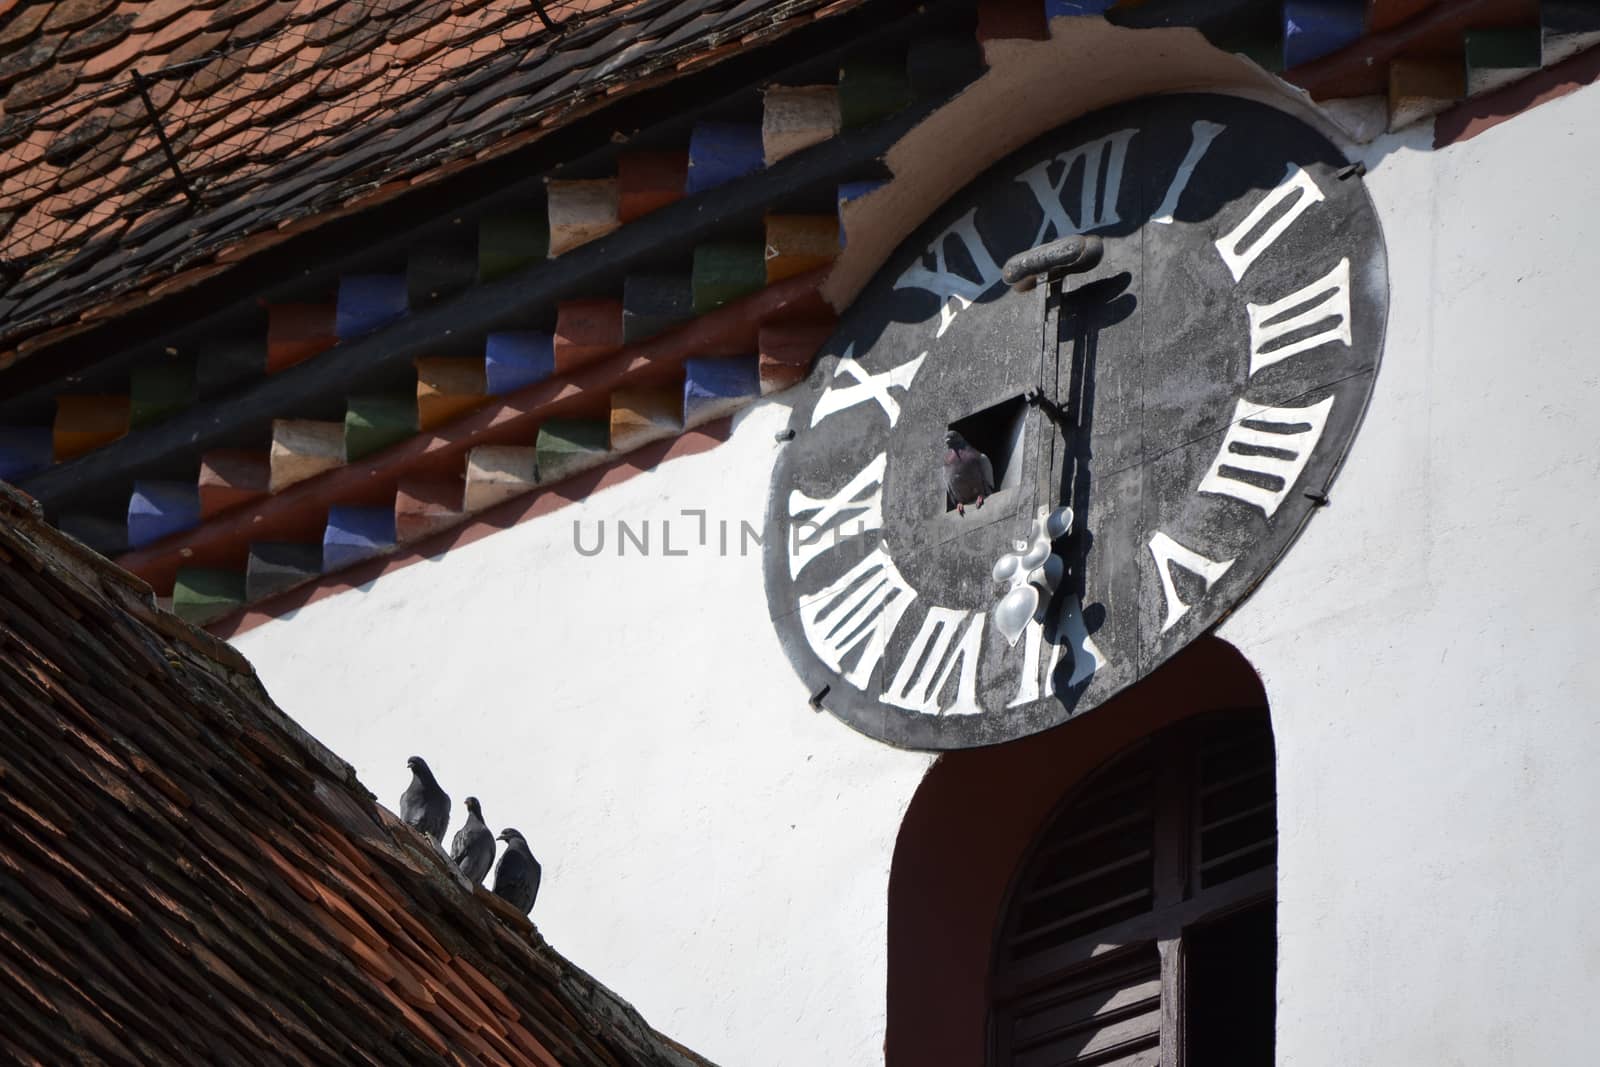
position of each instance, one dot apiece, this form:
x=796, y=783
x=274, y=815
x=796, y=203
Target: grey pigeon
x=472, y=848
x=516, y=879
x=968, y=474
x=424, y=806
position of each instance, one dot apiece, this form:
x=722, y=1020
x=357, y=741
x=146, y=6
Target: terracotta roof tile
x=23, y=24
x=266, y=20
x=68, y=146
x=40, y=88
x=292, y=108
x=26, y=60
x=74, y=14
x=233, y=12
x=97, y=37
x=192, y=50
x=172, y=33
x=206, y=82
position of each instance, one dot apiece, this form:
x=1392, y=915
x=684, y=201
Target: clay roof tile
x=75, y=14
x=294, y=108
x=23, y=24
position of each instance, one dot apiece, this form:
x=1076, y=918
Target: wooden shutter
x=1106, y=1012
x=1237, y=819
x=1167, y=830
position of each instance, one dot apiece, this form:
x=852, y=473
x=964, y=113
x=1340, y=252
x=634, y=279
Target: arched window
x=1140, y=927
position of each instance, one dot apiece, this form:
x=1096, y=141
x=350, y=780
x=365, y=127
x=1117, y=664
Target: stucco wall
x=719, y=854
x=713, y=850
x=1428, y=646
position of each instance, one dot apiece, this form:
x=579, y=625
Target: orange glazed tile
x=84, y=423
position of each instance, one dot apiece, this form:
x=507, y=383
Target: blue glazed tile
x=719, y=152
x=712, y=387
x=159, y=509
x=1067, y=8
x=1316, y=28
x=354, y=534
x=513, y=360
x=368, y=301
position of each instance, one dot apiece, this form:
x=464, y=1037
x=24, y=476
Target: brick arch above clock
x=970, y=825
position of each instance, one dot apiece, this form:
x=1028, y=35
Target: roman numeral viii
x=857, y=612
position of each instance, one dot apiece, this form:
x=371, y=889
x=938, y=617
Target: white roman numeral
x=818, y=521
x=956, y=292
x=1201, y=134
x=860, y=610
x=1086, y=655
x=1097, y=200
x=1236, y=253
x=1273, y=443
x=931, y=661
x=1168, y=552
x=867, y=386
x=1326, y=298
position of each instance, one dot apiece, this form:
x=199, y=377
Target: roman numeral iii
x=1264, y=451
x=1279, y=330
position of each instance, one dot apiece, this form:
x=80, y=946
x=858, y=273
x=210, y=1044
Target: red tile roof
x=280, y=110
x=187, y=877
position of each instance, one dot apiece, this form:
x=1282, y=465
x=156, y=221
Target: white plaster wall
x=1429, y=644
x=713, y=850
x=719, y=855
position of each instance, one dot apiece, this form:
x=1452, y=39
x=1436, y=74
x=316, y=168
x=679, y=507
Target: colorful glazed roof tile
x=187, y=877
x=547, y=318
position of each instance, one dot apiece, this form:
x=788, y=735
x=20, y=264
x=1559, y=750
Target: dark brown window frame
x=1179, y=901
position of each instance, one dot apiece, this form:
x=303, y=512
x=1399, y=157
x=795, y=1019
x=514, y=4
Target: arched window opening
x=1140, y=930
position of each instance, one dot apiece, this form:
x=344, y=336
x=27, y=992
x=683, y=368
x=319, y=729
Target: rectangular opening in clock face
x=997, y=432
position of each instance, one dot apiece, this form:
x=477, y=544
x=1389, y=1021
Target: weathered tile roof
x=187, y=877
x=548, y=314
x=284, y=110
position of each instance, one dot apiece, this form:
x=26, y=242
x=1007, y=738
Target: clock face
x=1201, y=385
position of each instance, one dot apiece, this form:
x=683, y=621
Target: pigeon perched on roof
x=516, y=879
x=424, y=806
x=472, y=848
x=968, y=474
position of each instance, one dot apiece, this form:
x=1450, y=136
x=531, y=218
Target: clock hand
x=1033, y=571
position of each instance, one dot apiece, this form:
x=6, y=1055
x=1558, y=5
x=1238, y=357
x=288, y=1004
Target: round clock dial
x=1158, y=427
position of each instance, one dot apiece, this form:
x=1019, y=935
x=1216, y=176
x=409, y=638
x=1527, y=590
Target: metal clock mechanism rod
x=1034, y=571
x=1052, y=262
